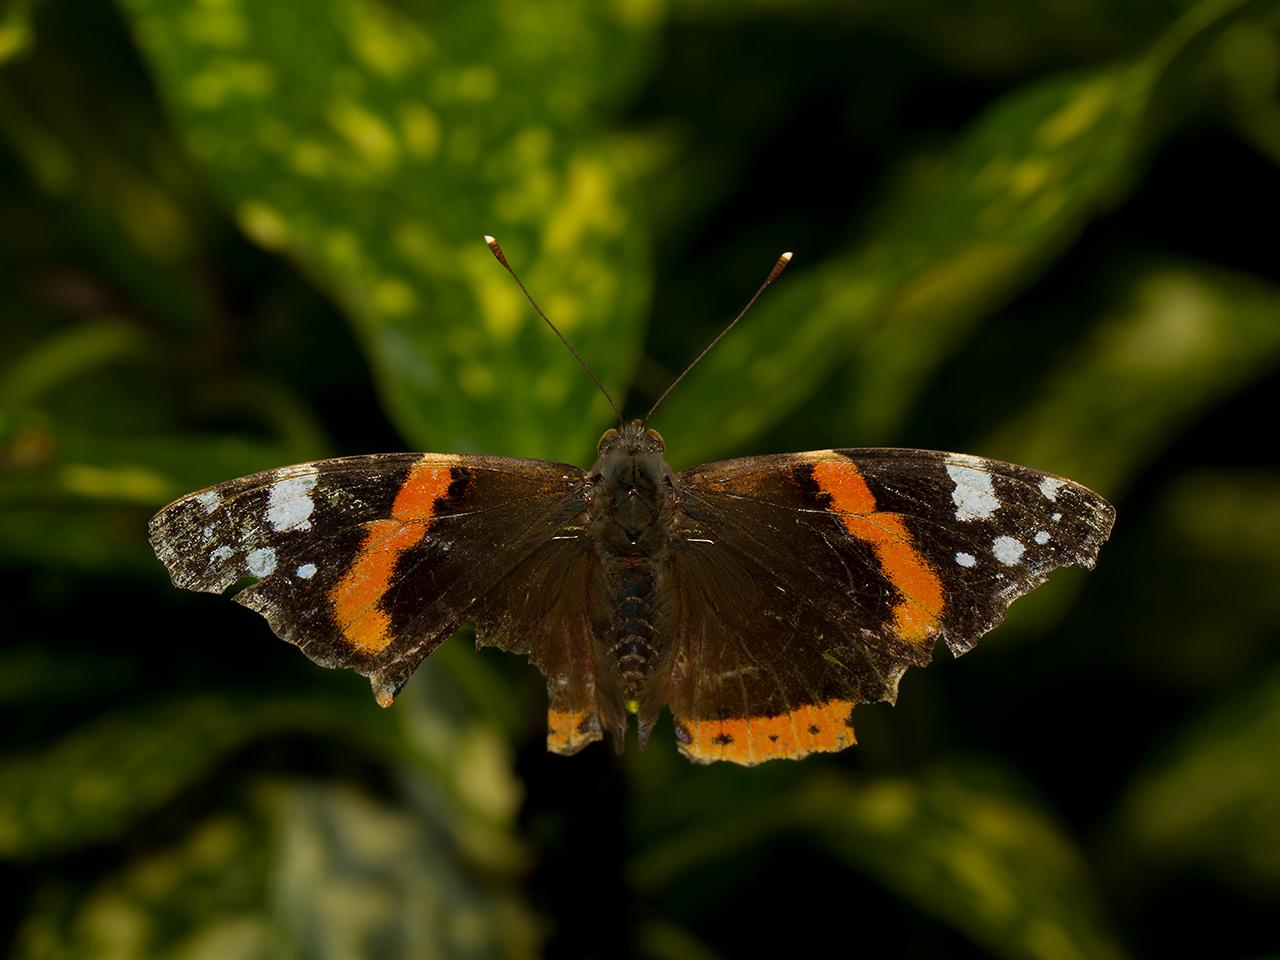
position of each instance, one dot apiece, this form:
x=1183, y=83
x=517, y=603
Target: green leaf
x=658, y=940
x=459, y=759
x=1195, y=598
x=988, y=863
x=1184, y=337
x=102, y=174
x=79, y=500
x=1211, y=799
x=32, y=675
x=62, y=464
x=100, y=779
x=980, y=37
x=74, y=353
x=377, y=150
x=16, y=34
x=1010, y=194
x=993, y=866
x=1249, y=61
x=300, y=869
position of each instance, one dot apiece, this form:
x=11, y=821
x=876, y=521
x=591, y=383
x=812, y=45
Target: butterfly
x=760, y=599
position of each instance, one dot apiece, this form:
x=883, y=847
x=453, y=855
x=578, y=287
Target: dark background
x=241, y=235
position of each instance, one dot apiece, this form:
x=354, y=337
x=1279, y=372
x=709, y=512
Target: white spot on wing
x=1007, y=550
x=306, y=571
x=290, y=505
x=221, y=555
x=1050, y=486
x=966, y=559
x=209, y=500
x=261, y=562
x=974, y=496
x=1056, y=517
x=1042, y=537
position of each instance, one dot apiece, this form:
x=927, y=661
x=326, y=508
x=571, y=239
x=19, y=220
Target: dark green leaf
x=1211, y=798
x=377, y=151
x=32, y=675
x=302, y=870
x=1186, y=337
x=990, y=864
x=16, y=34
x=99, y=779
x=1013, y=190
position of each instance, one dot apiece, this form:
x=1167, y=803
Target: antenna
x=773, y=275
x=501, y=257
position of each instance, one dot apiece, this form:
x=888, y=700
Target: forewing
x=809, y=582
x=368, y=562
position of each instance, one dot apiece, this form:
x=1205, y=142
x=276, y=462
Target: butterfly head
x=634, y=439
x=631, y=491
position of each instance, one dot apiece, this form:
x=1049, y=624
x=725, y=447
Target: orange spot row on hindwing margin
x=820, y=728
x=916, y=616
x=568, y=731
x=357, y=596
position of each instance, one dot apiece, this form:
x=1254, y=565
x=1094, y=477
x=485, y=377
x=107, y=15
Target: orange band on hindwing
x=356, y=596
x=916, y=616
x=820, y=728
x=568, y=731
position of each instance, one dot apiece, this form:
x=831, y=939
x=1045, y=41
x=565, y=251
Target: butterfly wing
x=370, y=562
x=807, y=583
x=541, y=609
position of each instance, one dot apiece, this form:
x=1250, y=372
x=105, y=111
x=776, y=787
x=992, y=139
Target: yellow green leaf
x=377, y=148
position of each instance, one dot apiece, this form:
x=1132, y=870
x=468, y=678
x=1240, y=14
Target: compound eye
x=656, y=437
x=607, y=437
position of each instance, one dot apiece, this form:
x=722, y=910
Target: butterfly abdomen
x=631, y=643
x=633, y=543
x=632, y=502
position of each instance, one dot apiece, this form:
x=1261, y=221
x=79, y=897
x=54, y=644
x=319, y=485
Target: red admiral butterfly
x=760, y=599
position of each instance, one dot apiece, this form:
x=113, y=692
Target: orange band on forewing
x=842, y=481
x=916, y=617
x=821, y=728
x=357, y=595
x=426, y=483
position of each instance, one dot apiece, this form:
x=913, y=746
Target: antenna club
x=496, y=250
x=779, y=267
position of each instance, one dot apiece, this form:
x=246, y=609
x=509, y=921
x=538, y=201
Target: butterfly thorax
x=632, y=503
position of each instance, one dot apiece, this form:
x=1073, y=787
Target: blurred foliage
x=984, y=859
x=238, y=236
x=1210, y=799
x=292, y=869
